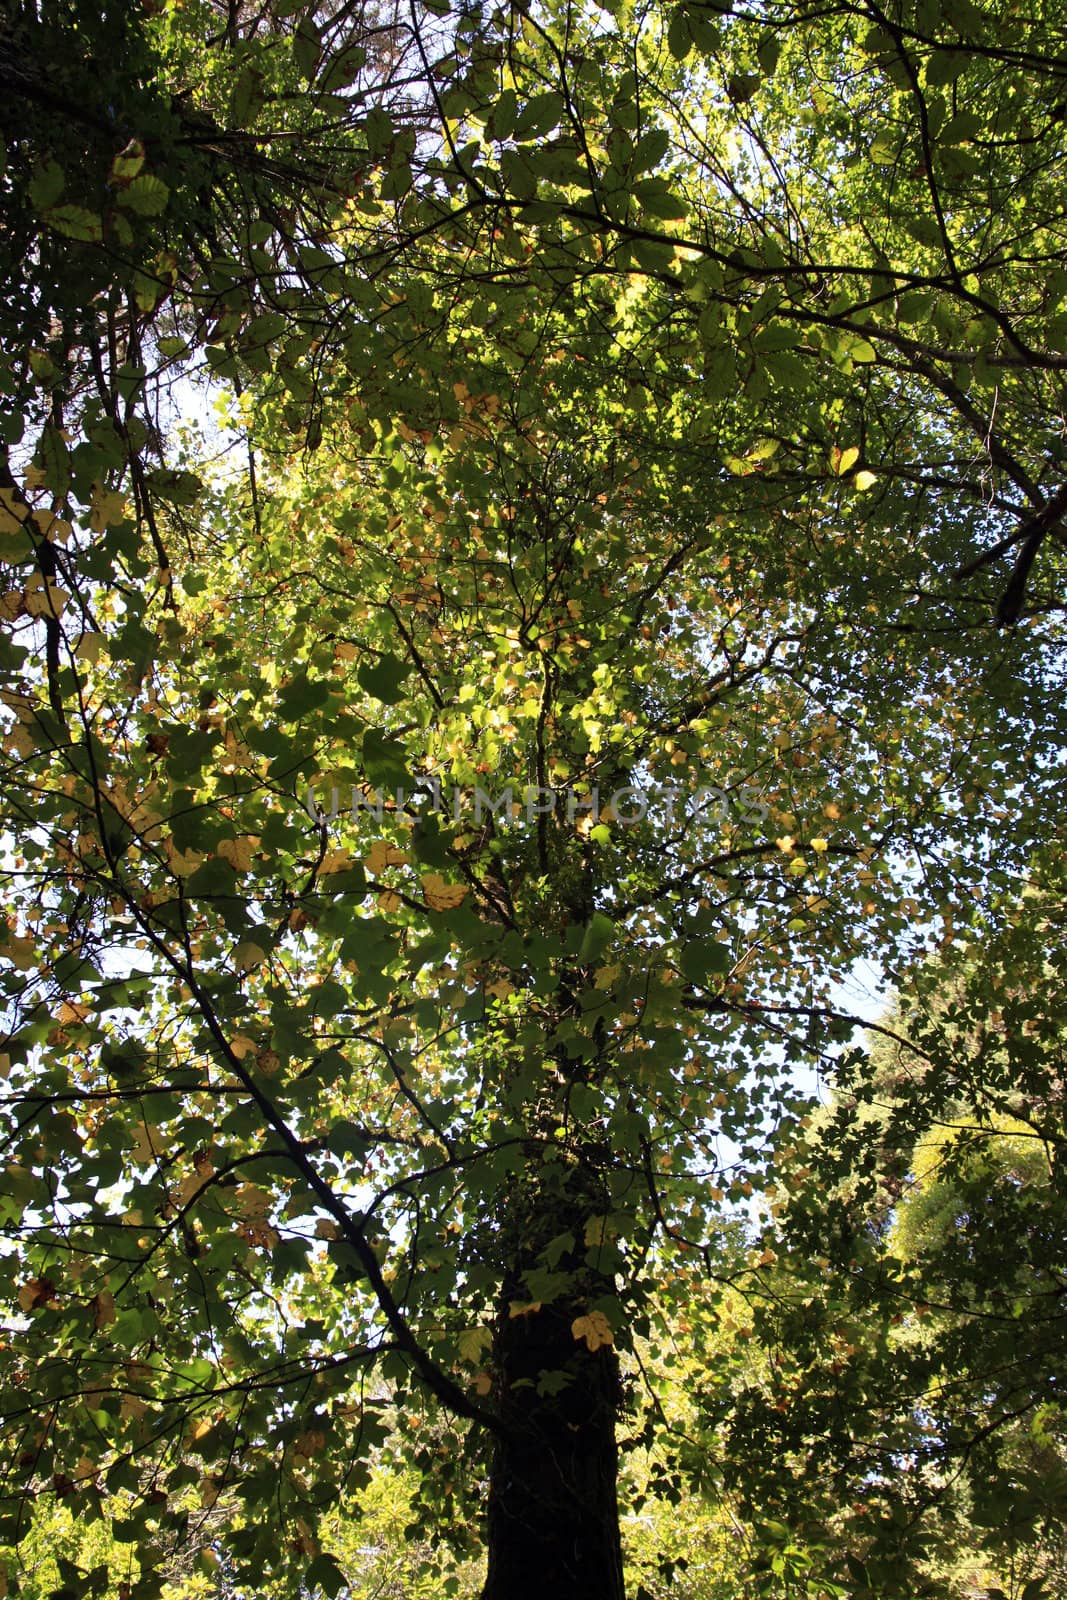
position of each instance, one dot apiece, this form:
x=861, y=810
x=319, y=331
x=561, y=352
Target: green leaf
x=679, y=37
x=945, y=66
x=75, y=222
x=180, y=488
x=598, y=935
x=147, y=195
x=246, y=96
x=46, y=185
x=342, y=69
x=307, y=47
x=128, y=163
x=385, y=760
x=650, y=149
x=383, y=678
x=539, y=115
x=702, y=960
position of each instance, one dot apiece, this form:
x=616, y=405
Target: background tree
x=919, y=1374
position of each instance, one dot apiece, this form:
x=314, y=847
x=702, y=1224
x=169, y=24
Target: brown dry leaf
x=242, y=1046
x=382, y=854
x=388, y=901
x=595, y=1329
x=103, y=1309
x=309, y=1444
x=37, y=1292
x=441, y=895
x=261, y=1236
x=483, y=1384
x=20, y=952
x=145, y=1145
x=251, y=1201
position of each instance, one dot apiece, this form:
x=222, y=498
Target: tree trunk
x=553, y=1511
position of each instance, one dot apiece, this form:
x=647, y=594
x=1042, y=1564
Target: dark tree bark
x=553, y=1508
x=553, y=1525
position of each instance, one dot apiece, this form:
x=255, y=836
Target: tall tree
x=594, y=547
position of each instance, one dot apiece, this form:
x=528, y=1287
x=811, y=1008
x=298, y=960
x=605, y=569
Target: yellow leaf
x=183, y=863
x=44, y=598
x=821, y=845
x=88, y=647
x=242, y=1046
x=107, y=506
x=13, y=511
x=483, y=1384
x=523, y=1308
x=785, y=843
x=383, y=854
x=472, y=1341
x=239, y=852
x=248, y=955
x=335, y=861
x=865, y=480
x=595, y=1329
x=844, y=460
